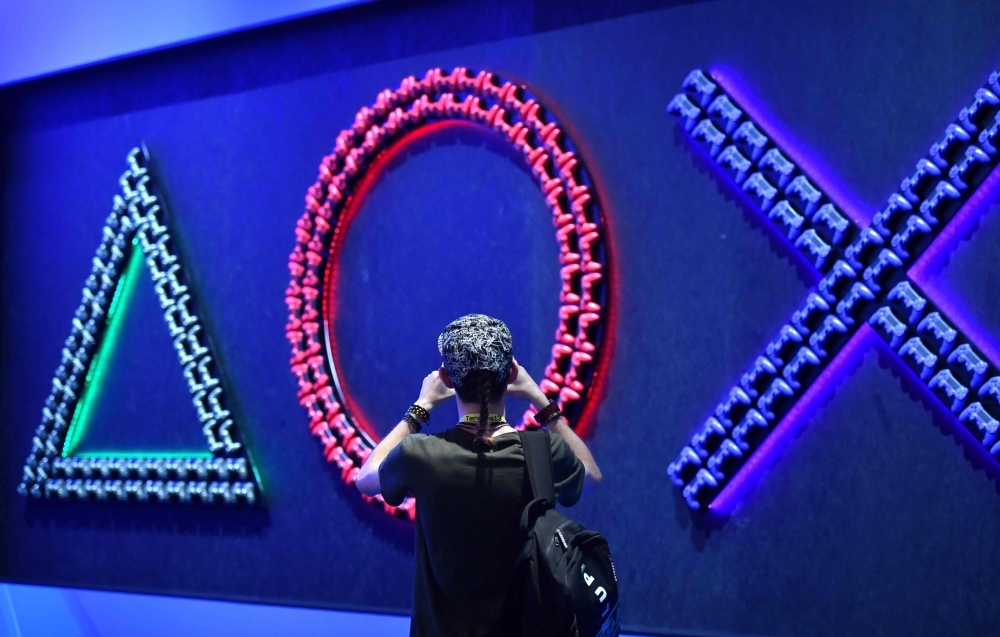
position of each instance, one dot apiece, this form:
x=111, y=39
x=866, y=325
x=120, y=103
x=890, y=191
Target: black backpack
x=564, y=582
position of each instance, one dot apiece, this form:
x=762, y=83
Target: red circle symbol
x=508, y=109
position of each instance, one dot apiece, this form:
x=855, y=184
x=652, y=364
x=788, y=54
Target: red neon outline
x=350, y=210
x=576, y=373
x=598, y=380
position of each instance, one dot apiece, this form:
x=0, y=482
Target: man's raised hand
x=433, y=391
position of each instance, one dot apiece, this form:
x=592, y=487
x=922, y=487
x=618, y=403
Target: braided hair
x=483, y=387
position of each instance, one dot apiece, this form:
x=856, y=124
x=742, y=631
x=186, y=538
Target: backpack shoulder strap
x=538, y=463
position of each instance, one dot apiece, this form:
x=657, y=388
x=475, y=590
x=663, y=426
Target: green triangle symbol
x=62, y=463
x=122, y=387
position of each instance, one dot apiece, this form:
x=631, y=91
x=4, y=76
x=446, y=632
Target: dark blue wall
x=872, y=522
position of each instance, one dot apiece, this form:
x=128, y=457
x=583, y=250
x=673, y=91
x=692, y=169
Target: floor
x=41, y=611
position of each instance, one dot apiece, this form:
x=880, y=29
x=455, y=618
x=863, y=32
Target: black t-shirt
x=469, y=503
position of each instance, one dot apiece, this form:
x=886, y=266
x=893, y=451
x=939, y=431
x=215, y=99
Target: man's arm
x=432, y=393
x=367, y=480
x=525, y=387
x=562, y=428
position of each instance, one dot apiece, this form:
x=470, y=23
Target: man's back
x=469, y=503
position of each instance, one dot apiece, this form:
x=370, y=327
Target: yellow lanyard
x=473, y=419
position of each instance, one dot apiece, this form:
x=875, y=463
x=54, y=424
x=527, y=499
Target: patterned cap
x=476, y=341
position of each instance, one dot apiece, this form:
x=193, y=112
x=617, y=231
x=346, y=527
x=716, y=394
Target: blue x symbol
x=868, y=286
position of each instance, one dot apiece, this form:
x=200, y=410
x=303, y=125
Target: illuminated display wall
x=874, y=512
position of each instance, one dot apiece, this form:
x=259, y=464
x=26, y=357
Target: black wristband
x=410, y=418
x=549, y=413
x=419, y=412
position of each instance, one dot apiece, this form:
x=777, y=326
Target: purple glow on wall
x=932, y=262
x=923, y=273
x=811, y=165
x=821, y=390
x=807, y=272
x=911, y=383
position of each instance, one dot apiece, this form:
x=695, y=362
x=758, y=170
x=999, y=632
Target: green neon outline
x=253, y=467
x=98, y=370
x=129, y=455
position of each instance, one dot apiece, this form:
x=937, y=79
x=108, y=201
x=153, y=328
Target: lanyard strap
x=473, y=419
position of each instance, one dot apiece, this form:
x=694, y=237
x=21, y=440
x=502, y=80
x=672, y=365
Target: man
x=469, y=481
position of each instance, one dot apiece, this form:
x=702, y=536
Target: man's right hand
x=525, y=387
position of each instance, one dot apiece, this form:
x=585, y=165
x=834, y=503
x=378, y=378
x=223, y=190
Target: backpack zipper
x=561, y=536
x=562, y=539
